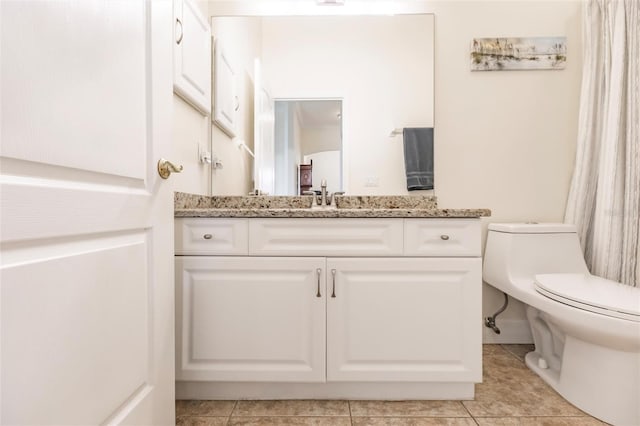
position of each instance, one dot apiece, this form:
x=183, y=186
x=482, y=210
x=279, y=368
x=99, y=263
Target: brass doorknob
x=166, y=167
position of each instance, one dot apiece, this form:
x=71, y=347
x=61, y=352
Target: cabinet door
x=250, y=319
x=192, y=55
x=225, y=98
x=404, y=319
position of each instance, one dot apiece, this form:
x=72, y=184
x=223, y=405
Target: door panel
x=68, y=313
x=250, y=319
x=85, y=222
x=81, y=78
x=404, y=319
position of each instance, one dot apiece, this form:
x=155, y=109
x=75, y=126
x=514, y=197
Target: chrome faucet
x=324, y=199
x=323, y=193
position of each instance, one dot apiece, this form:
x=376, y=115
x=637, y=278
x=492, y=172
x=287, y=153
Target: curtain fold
x=604, y=198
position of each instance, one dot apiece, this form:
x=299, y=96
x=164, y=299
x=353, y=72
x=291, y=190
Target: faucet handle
x=313, y=195
x=332, y=197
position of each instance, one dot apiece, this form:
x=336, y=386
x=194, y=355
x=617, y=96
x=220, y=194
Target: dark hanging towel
x=418, y=157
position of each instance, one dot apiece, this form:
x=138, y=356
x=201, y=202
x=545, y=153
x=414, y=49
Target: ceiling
x=316, y=113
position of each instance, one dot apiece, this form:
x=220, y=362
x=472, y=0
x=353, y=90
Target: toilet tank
x=522, y=250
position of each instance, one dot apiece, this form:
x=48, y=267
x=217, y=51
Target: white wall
x=241, y=39
x=189, y=134
x=321, y=138
x=326, y=166
x=505, y=140
x=322, y=144
x=383, y=70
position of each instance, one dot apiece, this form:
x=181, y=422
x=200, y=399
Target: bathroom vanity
x=328, y=303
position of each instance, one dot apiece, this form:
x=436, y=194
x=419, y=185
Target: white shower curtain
x=604, y=199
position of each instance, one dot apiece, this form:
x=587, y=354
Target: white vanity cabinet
x=334, y=307
x=250, y=319
x=403, y=320
x=192, y=55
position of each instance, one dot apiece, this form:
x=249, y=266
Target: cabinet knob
x=207, y=236
x=444, y=237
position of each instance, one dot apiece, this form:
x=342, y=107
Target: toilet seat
x=591, y=293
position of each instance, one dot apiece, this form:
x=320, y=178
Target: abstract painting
x=518, y=53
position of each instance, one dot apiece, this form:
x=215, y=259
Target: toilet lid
x=592, y=293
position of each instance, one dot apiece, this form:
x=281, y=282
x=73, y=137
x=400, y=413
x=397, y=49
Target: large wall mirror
x=351, y=78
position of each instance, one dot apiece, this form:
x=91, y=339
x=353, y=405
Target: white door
x=250, y=318
x=86, y=229
x=404, y=319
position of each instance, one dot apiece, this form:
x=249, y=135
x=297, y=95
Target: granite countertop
x=408, y=206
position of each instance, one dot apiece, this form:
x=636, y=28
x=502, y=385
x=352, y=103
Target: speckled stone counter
x=189, y=205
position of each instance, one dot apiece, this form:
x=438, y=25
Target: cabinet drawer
x=442, y=237
x=325, y=237
x=204, y=236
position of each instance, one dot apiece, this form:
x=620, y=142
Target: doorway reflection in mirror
x=308, y=145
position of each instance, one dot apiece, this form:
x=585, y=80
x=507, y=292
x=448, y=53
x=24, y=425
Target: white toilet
x=586, y=329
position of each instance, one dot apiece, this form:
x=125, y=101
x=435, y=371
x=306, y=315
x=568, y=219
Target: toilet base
x=603, y=382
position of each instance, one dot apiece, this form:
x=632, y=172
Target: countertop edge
x=331, y=213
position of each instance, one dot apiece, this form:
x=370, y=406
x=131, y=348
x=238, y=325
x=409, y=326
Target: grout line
x=350, y=415
x=235, y=404
x=511, y=353
x=467, y=410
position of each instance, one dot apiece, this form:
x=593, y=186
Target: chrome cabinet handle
x=166, y=167
x=181, y=31
x=318, y=272
x=444, y=237
x=333, y=291
x=207, y=236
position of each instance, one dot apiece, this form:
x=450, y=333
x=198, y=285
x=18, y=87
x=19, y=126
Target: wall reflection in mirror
x=367, y=75
x=308, y=145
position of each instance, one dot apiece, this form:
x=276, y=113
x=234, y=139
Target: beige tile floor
x=510, y=395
